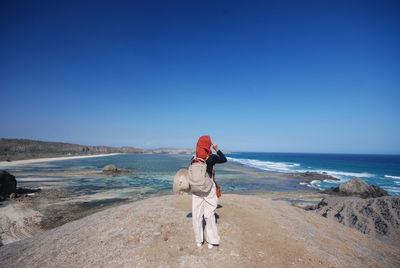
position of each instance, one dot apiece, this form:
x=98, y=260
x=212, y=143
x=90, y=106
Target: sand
x=30, y=161
x=157, y=232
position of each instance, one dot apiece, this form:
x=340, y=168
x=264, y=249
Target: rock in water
x=357, y=187
x=110, y=168
x=377, y=217
x=8, y=184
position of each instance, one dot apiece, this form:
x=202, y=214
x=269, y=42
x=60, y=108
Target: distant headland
x=21, y=149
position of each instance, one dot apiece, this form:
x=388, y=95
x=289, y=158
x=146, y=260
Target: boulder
x=8, y=184
x=357, y=187
x=110, y=168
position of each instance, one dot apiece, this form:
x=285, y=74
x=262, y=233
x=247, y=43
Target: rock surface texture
x=8, y=184
x=357, y=187
x=157, y=232
x=376, y=217
x=17, y=221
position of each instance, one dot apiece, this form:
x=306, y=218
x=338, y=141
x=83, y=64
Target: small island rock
x=110, y=168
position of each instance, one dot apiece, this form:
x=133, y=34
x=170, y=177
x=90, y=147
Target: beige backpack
x=199, y=180
x=181, y=182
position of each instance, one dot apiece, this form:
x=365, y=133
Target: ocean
x=380, y=170
x=244, y=173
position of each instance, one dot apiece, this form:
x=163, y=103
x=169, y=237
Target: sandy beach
x=4, y=164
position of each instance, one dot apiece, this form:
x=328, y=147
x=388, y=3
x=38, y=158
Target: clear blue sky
x=288, y=76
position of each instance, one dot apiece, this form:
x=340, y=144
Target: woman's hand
x=215, y=147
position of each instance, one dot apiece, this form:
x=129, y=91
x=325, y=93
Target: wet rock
x=110, y=168
x=357, y=187
x=310, y=176
x=8, y=184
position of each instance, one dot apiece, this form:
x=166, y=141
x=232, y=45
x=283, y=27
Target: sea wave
x=266, y=165
x=343, y=174
x=392, y=177
x=293, y=167
x=391, y=189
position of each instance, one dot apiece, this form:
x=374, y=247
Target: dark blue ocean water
x=380, y=170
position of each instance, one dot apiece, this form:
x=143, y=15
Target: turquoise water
x=244, y=173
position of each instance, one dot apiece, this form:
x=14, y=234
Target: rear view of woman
x=204, y=204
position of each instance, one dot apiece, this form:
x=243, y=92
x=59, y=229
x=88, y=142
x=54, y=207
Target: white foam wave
x=391, y=189
x=315, y=184
x=266, y=165
x=292, y=167
x=392, y=177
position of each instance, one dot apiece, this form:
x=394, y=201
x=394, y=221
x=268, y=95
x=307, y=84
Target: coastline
x=38, y=160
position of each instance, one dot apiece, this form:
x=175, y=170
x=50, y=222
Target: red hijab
x=203, y=147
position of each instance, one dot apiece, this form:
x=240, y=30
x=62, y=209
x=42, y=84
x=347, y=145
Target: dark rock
x=310, y=176
x=378, y=217
x=8, y=184
x=357, y=187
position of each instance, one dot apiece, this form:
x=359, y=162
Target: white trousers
x=205, y=206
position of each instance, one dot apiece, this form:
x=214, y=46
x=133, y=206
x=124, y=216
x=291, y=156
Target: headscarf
x=203, y=147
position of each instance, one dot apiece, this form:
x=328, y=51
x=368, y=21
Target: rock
x=309, y=176
x=17, y=221
x=8, y=184
x=357, y=187
x=377, y=217
x=110, y=168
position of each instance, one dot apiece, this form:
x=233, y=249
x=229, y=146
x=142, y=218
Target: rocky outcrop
x=310, y=176
x=112, y=170
x=357, y=187
x=8, y=184
x=157, y=232
x=376, y=217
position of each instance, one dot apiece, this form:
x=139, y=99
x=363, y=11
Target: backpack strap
x=198, y=159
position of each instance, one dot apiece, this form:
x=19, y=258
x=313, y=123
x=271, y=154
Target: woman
x=204, y=205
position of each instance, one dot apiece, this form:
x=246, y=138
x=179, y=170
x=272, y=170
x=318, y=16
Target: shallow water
x=153, y=174
x=243, y=174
